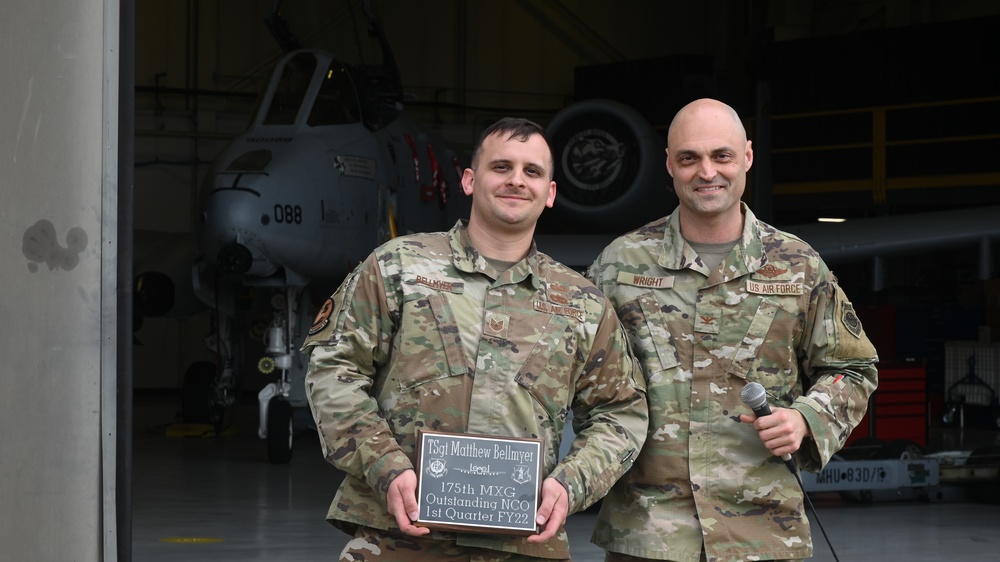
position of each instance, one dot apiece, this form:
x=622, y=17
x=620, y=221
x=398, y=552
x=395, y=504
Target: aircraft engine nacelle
x=610, y=168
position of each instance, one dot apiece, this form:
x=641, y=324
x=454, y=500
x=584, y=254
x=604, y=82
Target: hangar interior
x=867, y=111
x=868, y=107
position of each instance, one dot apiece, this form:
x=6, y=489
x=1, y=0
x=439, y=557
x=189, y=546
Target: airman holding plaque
x=444, y=368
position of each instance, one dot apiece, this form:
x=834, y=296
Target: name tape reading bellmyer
x=478, y=483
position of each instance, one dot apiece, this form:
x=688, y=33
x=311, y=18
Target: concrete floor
x=217, y=499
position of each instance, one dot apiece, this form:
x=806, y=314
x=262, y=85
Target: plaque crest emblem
x=436, y=468
x=521, y=474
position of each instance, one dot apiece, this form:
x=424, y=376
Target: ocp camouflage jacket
x=388, y=359
x=772, y=313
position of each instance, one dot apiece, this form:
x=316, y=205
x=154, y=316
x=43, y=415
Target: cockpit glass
x=337, y=101
x=291, y=89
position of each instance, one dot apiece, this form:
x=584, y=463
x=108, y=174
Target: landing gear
x=204, y=396
x=277, y=400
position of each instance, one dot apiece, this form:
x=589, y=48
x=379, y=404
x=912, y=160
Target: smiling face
x=511, y=183
x=708, y=156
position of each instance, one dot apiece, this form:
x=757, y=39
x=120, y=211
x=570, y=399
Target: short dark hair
x=515, y=128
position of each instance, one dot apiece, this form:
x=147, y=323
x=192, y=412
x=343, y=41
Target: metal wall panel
x=58, y=262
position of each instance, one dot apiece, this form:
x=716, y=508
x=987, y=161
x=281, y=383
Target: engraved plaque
x=478, y=483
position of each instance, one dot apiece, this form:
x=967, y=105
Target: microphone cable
x=755, y=397
x=798, y=478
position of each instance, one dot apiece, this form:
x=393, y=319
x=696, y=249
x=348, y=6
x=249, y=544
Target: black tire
x=609, y=166
x=196, y=393
x=988, y=456
x=861, y=449
x=902, y=449
x=279, y=431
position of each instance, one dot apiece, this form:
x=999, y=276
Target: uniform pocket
x=430, y=329
x=547, y=374
x=746, y=353
x=767, y=352
x=652, y=342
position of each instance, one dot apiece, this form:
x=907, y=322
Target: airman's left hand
x=552, y=511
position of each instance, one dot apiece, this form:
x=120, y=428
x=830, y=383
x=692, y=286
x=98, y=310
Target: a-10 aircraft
x=330, y=168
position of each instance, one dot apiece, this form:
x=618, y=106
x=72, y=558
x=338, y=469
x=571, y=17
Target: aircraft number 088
x=288, y=214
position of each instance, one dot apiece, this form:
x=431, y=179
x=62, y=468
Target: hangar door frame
x=66, y=273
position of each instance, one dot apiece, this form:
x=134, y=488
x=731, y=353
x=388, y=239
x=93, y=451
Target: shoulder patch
x=845, y=319
x=322, y=317
x=850, y=320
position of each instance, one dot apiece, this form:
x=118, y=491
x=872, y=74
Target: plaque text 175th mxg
x=478, y=483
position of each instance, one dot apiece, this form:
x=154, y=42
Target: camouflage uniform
x=387, y=359
x=772, y=313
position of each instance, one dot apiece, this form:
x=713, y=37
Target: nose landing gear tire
x=279, y=431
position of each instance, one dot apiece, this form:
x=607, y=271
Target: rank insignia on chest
x=706, y=320
x=496, y=324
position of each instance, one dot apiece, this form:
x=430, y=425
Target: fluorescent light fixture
x=830, y=219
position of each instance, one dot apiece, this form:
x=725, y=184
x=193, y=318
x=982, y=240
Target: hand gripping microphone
x=755, y=397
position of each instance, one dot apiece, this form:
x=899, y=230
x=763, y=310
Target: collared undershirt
x=712, y=254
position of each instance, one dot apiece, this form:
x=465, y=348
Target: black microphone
x=755, y=397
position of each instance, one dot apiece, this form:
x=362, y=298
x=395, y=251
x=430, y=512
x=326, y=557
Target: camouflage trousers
x=616, y=557
x=369, y=545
